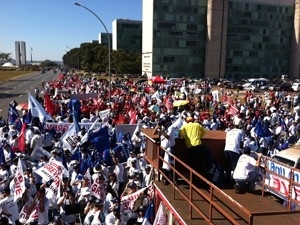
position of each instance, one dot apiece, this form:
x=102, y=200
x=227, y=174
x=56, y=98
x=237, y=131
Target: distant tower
x=23, y=52
x=20, y=53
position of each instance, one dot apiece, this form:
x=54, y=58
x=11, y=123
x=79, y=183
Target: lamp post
x=108, y=39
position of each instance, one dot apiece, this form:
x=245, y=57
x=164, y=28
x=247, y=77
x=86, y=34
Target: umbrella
x=154, y=108
x=180, y=103
x=22, y=106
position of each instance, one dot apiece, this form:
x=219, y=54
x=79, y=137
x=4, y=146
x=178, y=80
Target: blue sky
x=48, y=26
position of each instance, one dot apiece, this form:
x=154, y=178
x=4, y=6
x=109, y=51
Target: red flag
x=49, y=106
x=132, y=114
x=21, y=138
x=232, y=110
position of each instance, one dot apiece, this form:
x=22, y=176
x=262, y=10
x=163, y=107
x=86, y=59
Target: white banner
x=19, y=182
x=38, y=152
x=63, y=127
x=53, y=192
x=26, y=211
x=97, y=190
x=50, y=170
x=127, y=202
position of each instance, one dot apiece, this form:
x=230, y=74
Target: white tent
x=8, y=64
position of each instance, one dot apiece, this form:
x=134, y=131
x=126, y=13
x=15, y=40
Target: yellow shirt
x=192, y=133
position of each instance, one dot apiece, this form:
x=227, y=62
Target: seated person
x=246, y=172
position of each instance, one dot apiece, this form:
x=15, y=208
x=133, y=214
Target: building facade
x=20, y=51
x=103, y=39
x=127, y=35
x=221, y=38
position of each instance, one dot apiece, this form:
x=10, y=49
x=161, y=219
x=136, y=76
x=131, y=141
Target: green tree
x=48, y=63
x=5, y=57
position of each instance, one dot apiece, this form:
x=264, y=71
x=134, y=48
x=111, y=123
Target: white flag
x=104, y=114
x=20, y=181
x=91, y=128
x=69, y=138
x=37, y=109
x=160, y=218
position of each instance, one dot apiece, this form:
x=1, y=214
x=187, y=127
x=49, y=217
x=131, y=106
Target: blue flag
x=100, y=139
x=75, y=107
x=258, y=129
x=64, y=161
x=2, y=157
x=283, y=125
x=12, y=113
x=149, y=214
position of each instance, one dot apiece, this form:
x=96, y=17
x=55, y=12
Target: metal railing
x=217, y=200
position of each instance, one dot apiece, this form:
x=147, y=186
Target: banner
x=50, y=170
x=160, y=217
x=19, y=181
x=53, y=191
x=98, y=190
x=127, y=202
x=38, y=152
x=27, y=210
x=63, y=127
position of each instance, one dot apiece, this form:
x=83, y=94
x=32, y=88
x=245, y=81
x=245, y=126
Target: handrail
x=214, y=192
x=213, y=188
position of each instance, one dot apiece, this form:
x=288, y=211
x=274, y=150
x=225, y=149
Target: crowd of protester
x=265, y=122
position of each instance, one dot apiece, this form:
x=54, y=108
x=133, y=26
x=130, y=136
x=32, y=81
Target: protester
x=199, y=156
x=233, y=144
x=246, y=172
x=166, y=134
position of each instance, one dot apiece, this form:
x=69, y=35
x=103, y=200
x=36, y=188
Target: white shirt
x=119, y=171
x=43, y=216
x=233, y=139
x=245, y=165
x=9, y=206
x=168, y=143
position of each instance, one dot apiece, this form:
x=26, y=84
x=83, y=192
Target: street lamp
x=108, y=39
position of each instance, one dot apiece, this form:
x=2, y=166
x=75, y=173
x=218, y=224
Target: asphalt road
x=18, y=88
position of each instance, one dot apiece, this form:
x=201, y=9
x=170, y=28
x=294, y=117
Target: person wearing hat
x=199, y=157
x=166, y=134
x=98, y=216
x=8, y=206
x=58, y=220
x=246, y=172
x=67, y=204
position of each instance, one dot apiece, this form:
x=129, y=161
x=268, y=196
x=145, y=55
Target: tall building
x=23, y=52
x=127, y=35
x=103, y=39
x=221, y=38
x=20, y=50
x=18, y=53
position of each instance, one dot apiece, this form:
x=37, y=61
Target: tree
x=5, y=57
x=48, y=63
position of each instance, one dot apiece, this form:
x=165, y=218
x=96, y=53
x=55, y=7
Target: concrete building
x=127, y=35
x=221, y=38
x=103, y=39
x=20, y=51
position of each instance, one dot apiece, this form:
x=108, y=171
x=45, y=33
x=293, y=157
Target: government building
x=231, y=39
